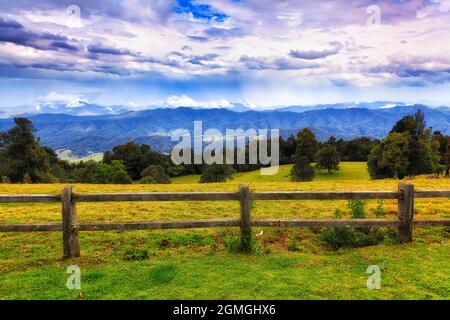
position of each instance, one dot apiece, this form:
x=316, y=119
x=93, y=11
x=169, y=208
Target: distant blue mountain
x=86, y=134
x=365, y=105
x=80, y=108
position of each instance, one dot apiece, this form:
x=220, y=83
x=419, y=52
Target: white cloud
x=186, y=101
x=53, y=98
x=180, y=101
x=60, y=97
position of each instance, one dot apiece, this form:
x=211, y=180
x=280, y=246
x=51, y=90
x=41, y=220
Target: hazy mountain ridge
x=84, y=108
x=87, y=134
x=80, y=108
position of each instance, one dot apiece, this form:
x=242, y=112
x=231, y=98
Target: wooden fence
x=70, y=226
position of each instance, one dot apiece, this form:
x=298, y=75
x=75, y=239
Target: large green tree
x=447, y=158
x=307, y=145
x=302, y=170
x=394, y=156
x=22, y=155
x=113, y=173
x=217, y=173
x=407, y=150
x=305, y=151
x=327, y=158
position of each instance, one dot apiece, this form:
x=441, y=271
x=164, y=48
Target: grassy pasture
x=198, y=264
x=348, y=171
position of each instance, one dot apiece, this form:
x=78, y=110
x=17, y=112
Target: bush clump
x=380, y=211
x=349, y=237
x=113, y=173
x=357, y=209
x=231, y=243
x=217, y=173
x=154, y=174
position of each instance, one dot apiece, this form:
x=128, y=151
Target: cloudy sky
x=212, y=52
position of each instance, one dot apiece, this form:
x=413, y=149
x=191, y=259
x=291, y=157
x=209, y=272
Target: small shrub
x=231, y=243
x=136, y=254
x=338, y=213
x=380, y=211
x=348, y=237
x=357, y=209
x=389, y=237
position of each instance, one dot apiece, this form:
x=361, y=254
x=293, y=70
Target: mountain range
x=84, y=108
x=86, y=134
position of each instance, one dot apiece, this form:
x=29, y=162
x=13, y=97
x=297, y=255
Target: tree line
x=408, y=150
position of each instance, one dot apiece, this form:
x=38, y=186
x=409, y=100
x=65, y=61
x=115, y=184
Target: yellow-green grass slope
x=347, y=171
x=197, y=264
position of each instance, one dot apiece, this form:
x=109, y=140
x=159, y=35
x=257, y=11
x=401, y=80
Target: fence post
x=245, y=238
x=405, y=212
x=70, y=226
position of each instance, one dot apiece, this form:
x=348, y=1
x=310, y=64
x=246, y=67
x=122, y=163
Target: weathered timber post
x=245, y=238
x=405, y=212
x=70, y=224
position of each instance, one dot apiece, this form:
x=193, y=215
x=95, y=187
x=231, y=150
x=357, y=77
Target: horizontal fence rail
x=70, y=226
x=220, y=196
x=432, y=194
x=302, y=195
x=29, y=198
x=157, y=196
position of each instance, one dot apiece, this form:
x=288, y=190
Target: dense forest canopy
x=410, y=149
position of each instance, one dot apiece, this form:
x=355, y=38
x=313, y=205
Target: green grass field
x=200, y=264
x=348, y=171
x=97, y=157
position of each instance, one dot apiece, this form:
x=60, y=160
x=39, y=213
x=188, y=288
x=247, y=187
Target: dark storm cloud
x=63, y=45
x=199, y=38
x=109, y=50
x=13, y=32
x=4, y=23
